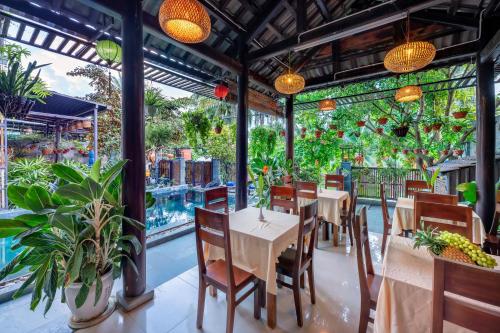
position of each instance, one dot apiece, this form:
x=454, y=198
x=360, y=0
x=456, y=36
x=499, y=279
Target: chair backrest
x=307, y=190
x=212, y=228
x=216, y=199
x=412, y=186
x=308, y=227
x=335, y=181
x=444, y=217
x=287, y=180
x=284, y=197
x=385, y=209
x=494, y=225
x=473, y=283
x=363, y=253
x=436, y=198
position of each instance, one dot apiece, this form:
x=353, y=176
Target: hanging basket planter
x=458, y=152
x=456, y=128
x=282, y=133
x=445, y=152
x=16, y=107
x=427, y=129
x=459, y=114
x=361, y=123
x=417, y=151
x=87, y=124
x=382, y=121
x=46, y=151
x=395, y=150
x=436, y=126
x=333, y=127
x=405, y=151
x=379, y=130
x=340, y=134
x=218, y=129
x=401, y=131
x=425, y=151
x=318, y=133
x=303, y=130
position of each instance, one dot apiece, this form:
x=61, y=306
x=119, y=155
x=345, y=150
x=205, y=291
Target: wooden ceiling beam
x=323, y=10
x=458, y=21
x=222, y=16
x=372, y=18
x=258, y=23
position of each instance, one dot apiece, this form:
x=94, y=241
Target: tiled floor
x=175, y=303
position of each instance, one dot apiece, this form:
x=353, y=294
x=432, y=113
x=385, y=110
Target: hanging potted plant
x=218, y=123
x=417, y=151
x=47, y=150
x=382, y=121
x=361, y=123
x=340, y=134
x=427, y=129
x=456, y=128
x=72, y=240
x=332, y=126
x=379, y=130
x=458, y=152
x=317, y=133
x=445, y=152
x=405, y=151
x=153, y=100
x=303, y=130
x=404, y=126
x=462, y=112
x=395, y=150
x=425, y=151
x=303, y=136
x=19, y=87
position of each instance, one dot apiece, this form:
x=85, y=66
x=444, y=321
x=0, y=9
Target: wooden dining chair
x=451, y=278
x=369, y=282
x=436, y=198
x=213, y=228
x=412, y=186
x=217, y=199
x=386, y=219
x=492, y=242
x=349, y=214
x=444, y=217
x=307, y=190
x=295, y=261
x=284, y=197
x=334, y=181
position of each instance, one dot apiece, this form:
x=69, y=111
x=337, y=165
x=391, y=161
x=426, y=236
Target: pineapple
x=429, y=238
x=454, y=253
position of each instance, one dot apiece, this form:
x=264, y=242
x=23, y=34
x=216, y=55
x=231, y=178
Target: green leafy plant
x=17, y=83
x=469, y=191
x=153, y=97
x=72, y=234
x=30, y=171
x=197, y=127
x=263, y=140
x=431, y=180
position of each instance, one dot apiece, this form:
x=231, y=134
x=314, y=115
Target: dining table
x=330, y=206
x=404, y=219
x=404, y=301
x=256, y=246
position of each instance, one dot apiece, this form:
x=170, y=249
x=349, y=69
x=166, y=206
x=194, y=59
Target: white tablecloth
x=404, y=219
x=405, y=299
x=257, y=245
x=330, y=203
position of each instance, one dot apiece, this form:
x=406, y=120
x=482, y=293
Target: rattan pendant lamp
x=185, y=20
x=410, y=56
x=290, y=82
x=408, y=93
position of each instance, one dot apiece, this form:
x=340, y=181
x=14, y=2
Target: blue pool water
x=172, y=208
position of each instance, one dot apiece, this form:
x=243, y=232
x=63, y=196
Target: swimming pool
x=173, y=207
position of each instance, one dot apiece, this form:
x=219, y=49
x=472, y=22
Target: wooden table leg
x=335, y=235
x=325, y=231
x=271, y=310
x=262, y=293
x=212, y=291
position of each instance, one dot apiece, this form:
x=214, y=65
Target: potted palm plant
x=71, y=239
x=19, y=87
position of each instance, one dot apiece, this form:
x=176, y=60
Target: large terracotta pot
x=459, y=114
x=382, y=121
x=87, y=124
x=88, y=310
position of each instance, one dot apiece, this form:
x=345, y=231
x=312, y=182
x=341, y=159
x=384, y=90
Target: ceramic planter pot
x=401, y=131
x=460, y=114
x=445, y=152
x=360, y=123
x=218, y=130
x=303, y=130
x=46, y=151
x=425, y=151
x=282, y=133
x=417, y=151
x=340, y=134
x=333, y=127
x=436, y=126
x=318, y=133
x=458, y=152
x=456, y=128
x=88, y=310
x=379, y=130
x=87, y=124
x=394, y=150
x=382, y=121
x=405, y=151
x=427, y=129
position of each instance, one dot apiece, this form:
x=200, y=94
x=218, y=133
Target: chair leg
x=302, y=281
x=201, y=304
x=281, y=278
x=310, y=276
x=256, y=300
x=349, y=228
x=298, y=303
x=384, y=240
x=231, y=306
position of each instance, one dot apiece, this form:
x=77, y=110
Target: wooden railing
x=369, y=179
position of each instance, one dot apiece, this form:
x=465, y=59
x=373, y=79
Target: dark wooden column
x=57, y=141
x=289, y=127
x=485, y=147
x=242, y=129
x=134, y=180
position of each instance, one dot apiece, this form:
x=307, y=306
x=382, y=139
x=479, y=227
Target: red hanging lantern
x=221, y=90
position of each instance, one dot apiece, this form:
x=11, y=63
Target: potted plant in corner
x=71, y=239
x=19, y=87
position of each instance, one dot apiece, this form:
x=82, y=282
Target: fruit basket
x=453, y=246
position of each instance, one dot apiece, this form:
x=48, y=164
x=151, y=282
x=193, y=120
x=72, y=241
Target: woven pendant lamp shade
x=408, y=94
x=409, y=57
x=327, y=105
x=185, y=20
x=289, y=83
